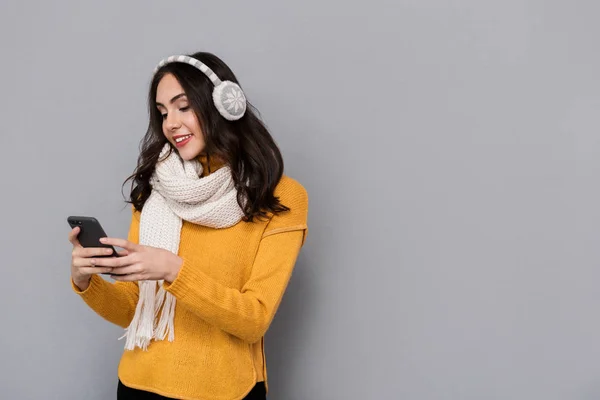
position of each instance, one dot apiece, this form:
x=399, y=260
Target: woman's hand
x=82, y=267
x=141, y=262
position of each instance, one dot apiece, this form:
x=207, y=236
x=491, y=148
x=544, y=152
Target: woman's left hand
x=140, y=263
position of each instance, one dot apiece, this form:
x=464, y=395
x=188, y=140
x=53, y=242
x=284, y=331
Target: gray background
x=450, y=150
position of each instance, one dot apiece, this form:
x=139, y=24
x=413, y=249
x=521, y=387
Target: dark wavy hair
x=245, y=145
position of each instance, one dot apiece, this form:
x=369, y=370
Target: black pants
x=127, y=393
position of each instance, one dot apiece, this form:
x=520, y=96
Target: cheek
x=193, y=124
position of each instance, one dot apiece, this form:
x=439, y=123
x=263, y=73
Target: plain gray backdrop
x=451, y=154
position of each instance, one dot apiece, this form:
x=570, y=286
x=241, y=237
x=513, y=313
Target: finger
x=86, y=252
x=113, y=262
x=73, y=236
x=129, y=270
x=127, y=278
x=122, y=253
x=94, y=270
x=80, y=262
x=122, y=243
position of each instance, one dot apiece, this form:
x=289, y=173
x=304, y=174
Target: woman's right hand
x=82, y=268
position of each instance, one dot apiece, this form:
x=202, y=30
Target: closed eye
x=182, y=109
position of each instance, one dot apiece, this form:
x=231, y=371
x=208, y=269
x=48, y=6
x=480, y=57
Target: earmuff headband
x=228, y=97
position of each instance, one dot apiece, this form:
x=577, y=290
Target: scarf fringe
x=165, y=322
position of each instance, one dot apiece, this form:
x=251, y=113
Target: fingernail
x=93, y=262
x=108, y=251
x=102, y=240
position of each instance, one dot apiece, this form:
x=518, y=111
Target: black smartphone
x=90, y=232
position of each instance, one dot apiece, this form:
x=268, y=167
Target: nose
x=173, y=123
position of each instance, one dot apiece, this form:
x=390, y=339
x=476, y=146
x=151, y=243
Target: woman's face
x=180, y=123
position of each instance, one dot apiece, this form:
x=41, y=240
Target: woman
x=214, y=236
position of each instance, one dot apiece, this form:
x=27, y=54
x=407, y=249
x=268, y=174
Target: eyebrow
x=172, y=100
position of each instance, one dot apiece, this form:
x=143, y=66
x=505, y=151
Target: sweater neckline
x=209, y=164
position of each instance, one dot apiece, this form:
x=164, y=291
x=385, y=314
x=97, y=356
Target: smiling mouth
x=182, y=138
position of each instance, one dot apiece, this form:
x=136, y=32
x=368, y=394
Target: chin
x=187, y=155
x=188, y=152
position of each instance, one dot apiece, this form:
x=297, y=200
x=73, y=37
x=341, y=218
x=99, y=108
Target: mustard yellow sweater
x=228, y=290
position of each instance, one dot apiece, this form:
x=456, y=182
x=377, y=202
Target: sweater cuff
x=92, y=288
x=186, y=278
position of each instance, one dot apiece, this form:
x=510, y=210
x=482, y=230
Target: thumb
x=73, y=236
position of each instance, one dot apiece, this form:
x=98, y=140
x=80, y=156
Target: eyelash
x=183, y=109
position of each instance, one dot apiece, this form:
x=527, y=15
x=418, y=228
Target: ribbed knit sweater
x=227, y=291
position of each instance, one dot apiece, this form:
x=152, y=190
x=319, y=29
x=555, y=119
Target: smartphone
x=90, y=232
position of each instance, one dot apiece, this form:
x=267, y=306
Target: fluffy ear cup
x=229, y=100
x=228, y=96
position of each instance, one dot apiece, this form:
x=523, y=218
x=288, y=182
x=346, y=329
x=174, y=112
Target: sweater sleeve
x=115, y=302
x=247, y=313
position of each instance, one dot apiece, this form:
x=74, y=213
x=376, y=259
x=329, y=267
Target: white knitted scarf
x=178, y=193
